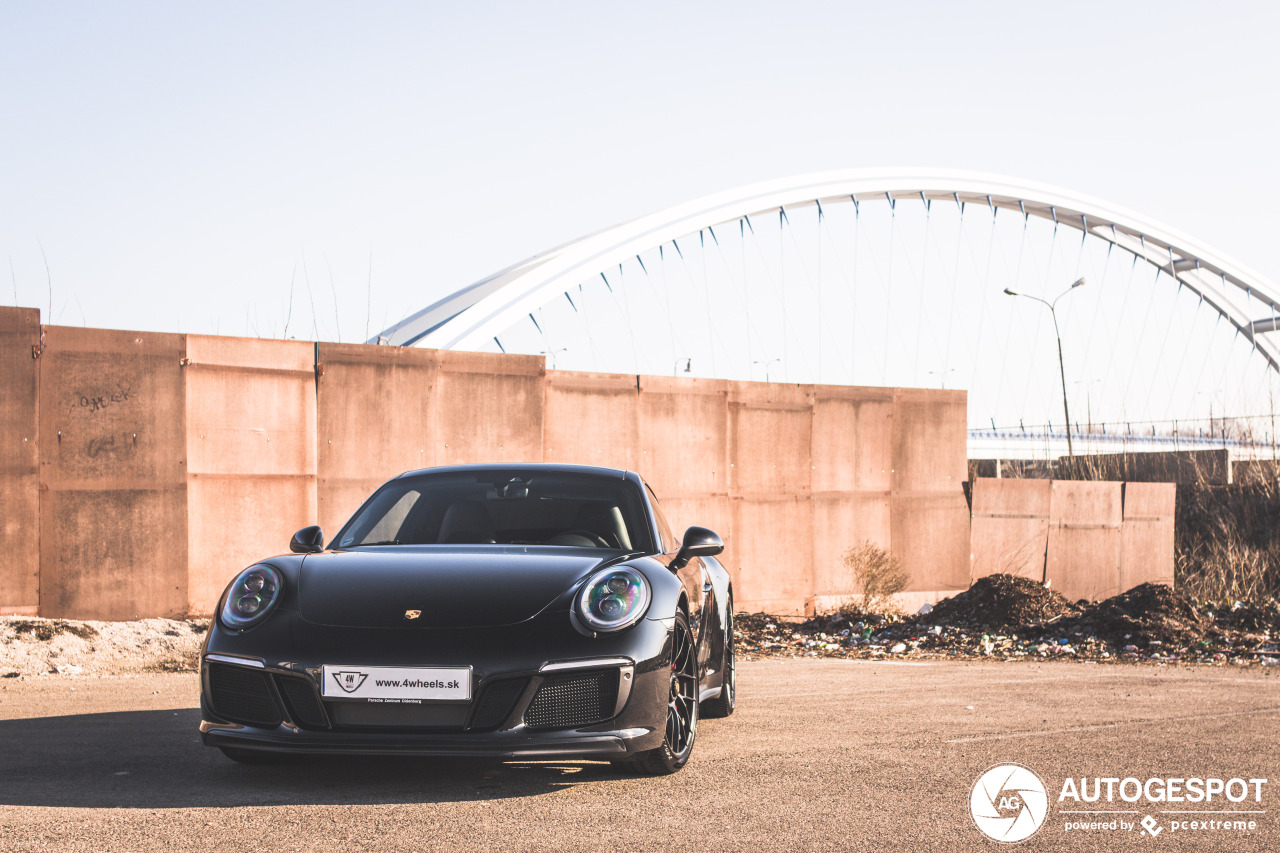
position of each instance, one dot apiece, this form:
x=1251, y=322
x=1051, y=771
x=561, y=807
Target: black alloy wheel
x=723, y=705
x=682, y=709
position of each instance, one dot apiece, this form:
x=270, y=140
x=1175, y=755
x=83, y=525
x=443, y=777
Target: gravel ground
x=33, y=648
x=821, y=755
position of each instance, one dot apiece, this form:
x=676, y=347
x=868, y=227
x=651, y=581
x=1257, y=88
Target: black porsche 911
x=515, y=611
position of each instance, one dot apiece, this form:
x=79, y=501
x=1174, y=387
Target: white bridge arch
x=469, y=317
x=1191, y=306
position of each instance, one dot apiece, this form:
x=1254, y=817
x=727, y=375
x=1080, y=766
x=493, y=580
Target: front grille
x=243, y=695
x=573, y=699
x=427, y=717
x=495, y=703
x=304, y=706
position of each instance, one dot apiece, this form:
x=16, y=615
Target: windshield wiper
x=383, y=542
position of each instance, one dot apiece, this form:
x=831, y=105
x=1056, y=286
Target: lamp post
x=766, y=362
x=1062, y=371
x=552, y=354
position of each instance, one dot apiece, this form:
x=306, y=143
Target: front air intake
x=573, y=699
x=496, y=702
x=304, y=704
x=243, y=695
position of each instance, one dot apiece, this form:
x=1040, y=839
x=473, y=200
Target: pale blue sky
x=176, y=161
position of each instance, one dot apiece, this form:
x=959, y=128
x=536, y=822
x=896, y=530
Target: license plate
x=397, y=685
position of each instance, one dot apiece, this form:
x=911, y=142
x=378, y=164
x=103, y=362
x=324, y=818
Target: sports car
x=509, y=611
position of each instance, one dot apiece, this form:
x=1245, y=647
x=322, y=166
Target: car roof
x=521, y=467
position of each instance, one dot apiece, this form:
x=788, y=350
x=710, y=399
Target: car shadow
x=154, y=759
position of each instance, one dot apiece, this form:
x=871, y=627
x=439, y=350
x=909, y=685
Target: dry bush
x=877, y=574
x=1227, y=541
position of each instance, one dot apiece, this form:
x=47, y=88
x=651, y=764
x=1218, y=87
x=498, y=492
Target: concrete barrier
x=139, y=472
x=1087, y=539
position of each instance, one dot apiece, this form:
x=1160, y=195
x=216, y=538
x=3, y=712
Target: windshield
x=503, y=507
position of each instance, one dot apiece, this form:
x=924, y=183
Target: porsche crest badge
x=412, y=614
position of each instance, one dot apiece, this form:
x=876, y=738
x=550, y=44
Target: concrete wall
x=140, y=472
x=19, y=461
x=113, y=480
x=1089, y=539
x=251, y=454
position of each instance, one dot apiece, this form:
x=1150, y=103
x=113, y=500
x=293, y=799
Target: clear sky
x=178, y=163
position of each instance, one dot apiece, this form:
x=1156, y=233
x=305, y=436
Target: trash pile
x=1005, y=617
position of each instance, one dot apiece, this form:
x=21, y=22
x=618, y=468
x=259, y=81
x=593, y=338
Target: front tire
x=723, y=705
x=682, y=710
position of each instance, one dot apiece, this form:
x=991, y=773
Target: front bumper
x=627, y=720
x=617, y=744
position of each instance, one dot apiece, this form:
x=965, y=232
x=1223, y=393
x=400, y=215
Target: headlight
x=253, y=595
x=613, y=599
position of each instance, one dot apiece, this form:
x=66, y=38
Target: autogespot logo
x=1009, y=803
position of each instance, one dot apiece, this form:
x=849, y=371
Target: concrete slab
x=236, y=521
x=852, y=445
x=591, y=419
x=1147, y=537
x=770, y=430
x=1010, y=531
x=489, y=408
x=1084, y=539
x=841, y=522
x=931, y=539
x=19, y=459
x=929, y=435
x=684, y=435
x=774, y=548
x=113, y=463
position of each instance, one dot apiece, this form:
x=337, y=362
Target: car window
x=525, y=507
x=388, y=527
x=669, y=541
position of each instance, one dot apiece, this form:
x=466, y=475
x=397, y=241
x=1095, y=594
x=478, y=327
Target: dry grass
x=1227, y=541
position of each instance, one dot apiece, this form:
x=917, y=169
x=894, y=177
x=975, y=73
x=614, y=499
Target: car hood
x=453, y=588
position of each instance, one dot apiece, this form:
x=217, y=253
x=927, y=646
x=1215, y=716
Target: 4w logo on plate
x=350, y=680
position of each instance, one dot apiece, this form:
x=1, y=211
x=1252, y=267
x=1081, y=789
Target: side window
x=669, y=542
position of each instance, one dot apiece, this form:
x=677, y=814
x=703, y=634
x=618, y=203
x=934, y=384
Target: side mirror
x=308, y=540
x=698, y=542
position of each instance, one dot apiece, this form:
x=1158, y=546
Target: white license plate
x=395, y=684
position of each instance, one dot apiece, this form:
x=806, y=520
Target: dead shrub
x=877, y=574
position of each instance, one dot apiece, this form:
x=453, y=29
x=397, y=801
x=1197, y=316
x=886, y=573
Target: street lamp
x=552, y=354
x=766, y=362
x=1062, y=371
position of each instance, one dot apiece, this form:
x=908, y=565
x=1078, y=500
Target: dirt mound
x=1011, y=618
x=47, y=629
x=1145, y=614
x=1001, y=601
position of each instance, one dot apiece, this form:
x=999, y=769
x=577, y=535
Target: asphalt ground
x=822, y=755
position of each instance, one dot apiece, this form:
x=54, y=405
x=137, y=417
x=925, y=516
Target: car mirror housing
x=698, y=542
x=308, y=540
